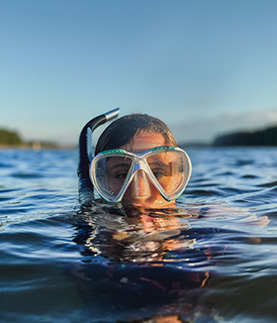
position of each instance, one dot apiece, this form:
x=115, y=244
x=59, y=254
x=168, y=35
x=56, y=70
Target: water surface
x=213, y=261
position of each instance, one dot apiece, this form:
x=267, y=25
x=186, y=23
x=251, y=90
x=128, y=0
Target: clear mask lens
x=111, y=174
x=168, y=169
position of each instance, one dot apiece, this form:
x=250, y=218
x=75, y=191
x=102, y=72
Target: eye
x=121, y=175
x=158, y=173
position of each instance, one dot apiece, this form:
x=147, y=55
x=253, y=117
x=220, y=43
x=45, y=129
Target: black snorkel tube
x=86, y=195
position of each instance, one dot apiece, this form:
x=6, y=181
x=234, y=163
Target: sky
x=205, y=67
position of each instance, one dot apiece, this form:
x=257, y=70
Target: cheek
x=155, y=194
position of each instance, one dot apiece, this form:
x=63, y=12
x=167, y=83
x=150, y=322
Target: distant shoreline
x=38, y=147
x=10, y=139
x=266, y=137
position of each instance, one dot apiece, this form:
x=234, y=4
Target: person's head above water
x=124, y=129
x=138, y=163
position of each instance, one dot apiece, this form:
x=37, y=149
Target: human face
x=141, y=192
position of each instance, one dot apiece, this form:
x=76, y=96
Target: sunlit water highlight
x=213, y=261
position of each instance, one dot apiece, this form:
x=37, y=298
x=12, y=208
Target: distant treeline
x=8, y=137
x=267, y=137
x=12, y=138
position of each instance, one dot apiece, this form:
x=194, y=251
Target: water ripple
x=216, y=258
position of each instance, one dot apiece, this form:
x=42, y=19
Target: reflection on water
x=149, y=262
x=159, y=261
x=213, y=259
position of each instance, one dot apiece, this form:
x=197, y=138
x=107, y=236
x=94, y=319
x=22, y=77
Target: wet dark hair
x=122, y=131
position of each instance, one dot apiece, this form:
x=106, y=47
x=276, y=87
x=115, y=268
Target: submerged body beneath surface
x=154, y=260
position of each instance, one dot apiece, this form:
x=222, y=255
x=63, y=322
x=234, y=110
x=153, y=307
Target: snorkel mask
x=168, y=169
x=111, y=172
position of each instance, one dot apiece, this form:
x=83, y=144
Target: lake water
x=214, y=261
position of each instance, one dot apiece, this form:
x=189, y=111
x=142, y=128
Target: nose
x=140, y=186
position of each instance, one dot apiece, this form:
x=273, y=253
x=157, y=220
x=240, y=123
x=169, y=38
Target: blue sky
x=204, y=67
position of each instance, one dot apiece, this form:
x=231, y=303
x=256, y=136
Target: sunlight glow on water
x=213, y=261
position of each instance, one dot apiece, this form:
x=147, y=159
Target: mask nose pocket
x=140, y=185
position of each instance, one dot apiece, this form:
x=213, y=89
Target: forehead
x=144, y=141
